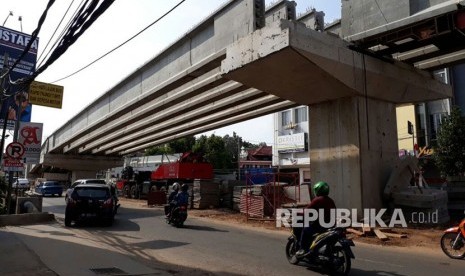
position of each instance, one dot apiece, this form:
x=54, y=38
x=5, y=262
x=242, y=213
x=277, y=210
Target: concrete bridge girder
x=82, y=162
x=130, y=112
x=162, y=119
x=353, y=135
x=258, y=107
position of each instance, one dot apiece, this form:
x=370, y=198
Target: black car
x=89, y=201
x=69, y=191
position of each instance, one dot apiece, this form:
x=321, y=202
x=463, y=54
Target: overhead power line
x=86, y=16
x=33, y=38
x=56, y=29
x=61, y=35
x=120, y=45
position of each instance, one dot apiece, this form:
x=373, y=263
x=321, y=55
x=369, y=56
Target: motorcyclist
x=175, y=191
x=172, y=199
x=182, y=198
x=321, y=202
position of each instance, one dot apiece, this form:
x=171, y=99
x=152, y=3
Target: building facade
x=291, y=143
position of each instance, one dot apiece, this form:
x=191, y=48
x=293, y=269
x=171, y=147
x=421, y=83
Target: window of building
x=441, y=75
x=285, y=117
x=436, y=121
x=418, y=5
x=300, y=115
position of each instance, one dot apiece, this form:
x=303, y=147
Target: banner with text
x=30, y=135
x=14, y=43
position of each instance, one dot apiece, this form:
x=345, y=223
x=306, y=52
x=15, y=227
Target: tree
x=3, y=193
x=232, y=146
x=213, y=150
x=176, y=146
x=449, y=153
x=159, y=150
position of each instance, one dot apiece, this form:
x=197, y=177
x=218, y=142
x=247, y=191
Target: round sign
x=15, y=150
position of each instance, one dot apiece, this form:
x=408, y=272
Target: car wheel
x=67, y=219
x=134, y=193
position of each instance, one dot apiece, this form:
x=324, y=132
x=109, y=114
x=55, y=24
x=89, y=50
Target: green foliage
x=177, y=146
x=222, y=152
x=449, y=153
x=3, y=193
x=213, y=150
x=159, y=150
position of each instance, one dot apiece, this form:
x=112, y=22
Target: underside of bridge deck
x=352, y=98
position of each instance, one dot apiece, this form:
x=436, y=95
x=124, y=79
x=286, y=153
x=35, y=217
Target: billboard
x=30, y=136
x=13, y=43
x=292, y=143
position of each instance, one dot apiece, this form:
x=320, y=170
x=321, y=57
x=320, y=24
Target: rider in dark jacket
x=183, y=197
x=172, y=199
x=321, y=202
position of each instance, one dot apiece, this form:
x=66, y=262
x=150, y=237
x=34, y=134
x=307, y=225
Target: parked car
x=89, y=201
x=49, y=188
x=21, y=183
x=69, y=191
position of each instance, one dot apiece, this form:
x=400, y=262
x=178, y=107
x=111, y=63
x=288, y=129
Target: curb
x=25, y=219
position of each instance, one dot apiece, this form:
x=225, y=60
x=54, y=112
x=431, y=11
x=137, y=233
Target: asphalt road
x=237, y=249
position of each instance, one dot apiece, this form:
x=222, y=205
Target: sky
x=122, y=20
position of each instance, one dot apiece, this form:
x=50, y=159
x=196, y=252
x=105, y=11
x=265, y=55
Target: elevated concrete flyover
x=231, y=68
x=180, y=92
x=352, y=99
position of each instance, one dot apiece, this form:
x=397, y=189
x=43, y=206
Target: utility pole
x=5, y=90
x=238, y=159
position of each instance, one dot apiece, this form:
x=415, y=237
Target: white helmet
x=176, y=186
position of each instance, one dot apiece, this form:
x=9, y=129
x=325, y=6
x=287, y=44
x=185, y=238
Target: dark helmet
x=184, y=187
x=321, y=188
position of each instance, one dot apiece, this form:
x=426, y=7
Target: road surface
x=223, y=248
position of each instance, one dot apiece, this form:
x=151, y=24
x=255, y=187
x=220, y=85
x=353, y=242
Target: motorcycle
x=177, y=216
x=329, y=250
x=453, y=241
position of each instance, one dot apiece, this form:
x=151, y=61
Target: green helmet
x=321, y=188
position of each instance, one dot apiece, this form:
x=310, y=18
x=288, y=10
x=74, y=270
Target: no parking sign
x=15, y=150
x=14, y=153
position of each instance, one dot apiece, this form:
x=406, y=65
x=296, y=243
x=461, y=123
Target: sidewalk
x=49, y=249
x=17, y=259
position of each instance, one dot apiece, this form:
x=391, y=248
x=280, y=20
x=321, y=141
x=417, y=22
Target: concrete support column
x=353, y=147
x=75, y=175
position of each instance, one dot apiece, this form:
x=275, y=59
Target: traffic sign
x=13, y=164
x=15, y=150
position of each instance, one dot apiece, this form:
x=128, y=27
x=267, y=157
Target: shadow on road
x=356, y=271
x=202, y=228
x=158, y=244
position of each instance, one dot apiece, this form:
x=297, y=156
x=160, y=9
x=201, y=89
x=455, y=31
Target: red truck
x=138, y=183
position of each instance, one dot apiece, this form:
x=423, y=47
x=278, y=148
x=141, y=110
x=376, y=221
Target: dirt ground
x=415, y=236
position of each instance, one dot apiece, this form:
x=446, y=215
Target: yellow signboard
x=46, y=94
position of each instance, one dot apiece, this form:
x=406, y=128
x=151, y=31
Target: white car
x=21, y=183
